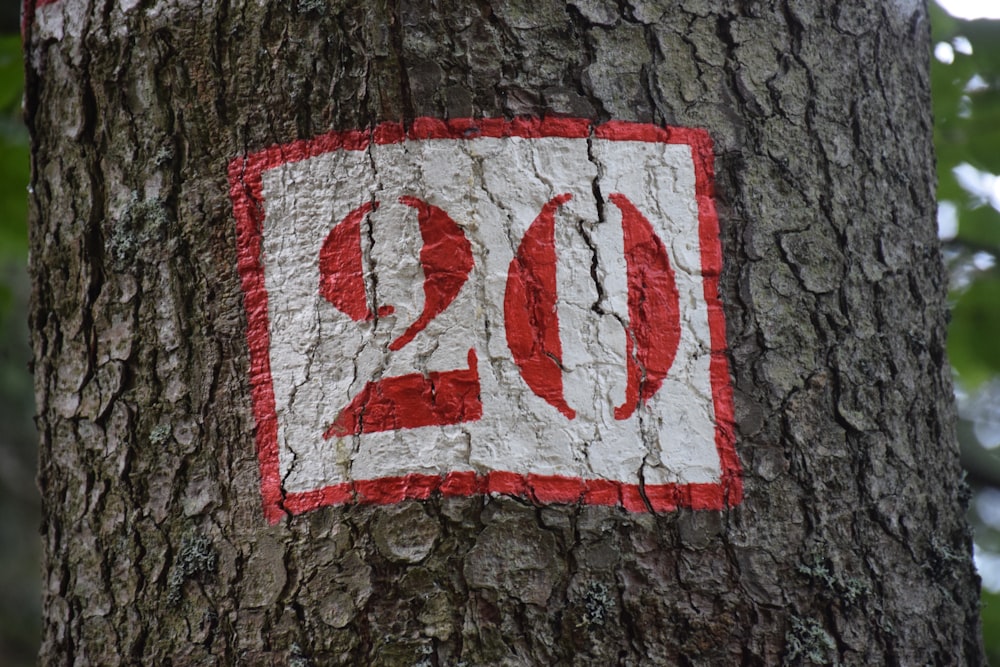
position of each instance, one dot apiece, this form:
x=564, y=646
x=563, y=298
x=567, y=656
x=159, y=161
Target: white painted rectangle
x=487, y=182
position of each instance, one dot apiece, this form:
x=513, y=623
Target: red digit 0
x=654, y=328
x=532, y=322
x=529, y=308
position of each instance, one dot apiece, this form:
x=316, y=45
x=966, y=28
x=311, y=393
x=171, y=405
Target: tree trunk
x=837, y=537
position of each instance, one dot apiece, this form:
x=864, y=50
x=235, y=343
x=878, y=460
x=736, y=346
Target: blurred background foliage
x=965, y=82
x=20, y=550
x=966, y=86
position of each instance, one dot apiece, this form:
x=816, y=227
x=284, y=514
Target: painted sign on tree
x=520, y=307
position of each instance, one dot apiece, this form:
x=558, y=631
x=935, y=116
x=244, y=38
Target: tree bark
x=849, y=545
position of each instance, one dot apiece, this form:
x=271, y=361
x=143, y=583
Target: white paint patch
x=60, y=19
x=321, y=356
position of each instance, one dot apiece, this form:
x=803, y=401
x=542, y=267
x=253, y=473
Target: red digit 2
x=532, y=322
x=412, y=400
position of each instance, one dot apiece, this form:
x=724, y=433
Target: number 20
x=530, y=317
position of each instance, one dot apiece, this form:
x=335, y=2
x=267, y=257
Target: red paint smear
x=296, y=503
x=703, y=495
x=465, y=483
x=389, y=133
x=662, y=497
x=388, y=490
x=529, y=308
x=248, y=208
x=731, y=482
x=446, y=257
x=507, y=483
x=653, y=308
x=555, y=488
x=617, y=130
x=541, y=489
x=412, y=401
x=246, y=194
x=341, y=274
x=632, y=499
x=602, y=492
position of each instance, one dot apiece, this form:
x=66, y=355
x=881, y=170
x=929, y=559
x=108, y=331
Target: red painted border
x=248, y=207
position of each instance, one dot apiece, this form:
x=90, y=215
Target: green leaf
x=980, y=228
x=967, y=122
x=11, y=73
x=990, y=611
x=975, y=330
x=14, y=157
x=14, y=152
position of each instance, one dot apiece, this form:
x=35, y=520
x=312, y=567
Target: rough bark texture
x=850, y=545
